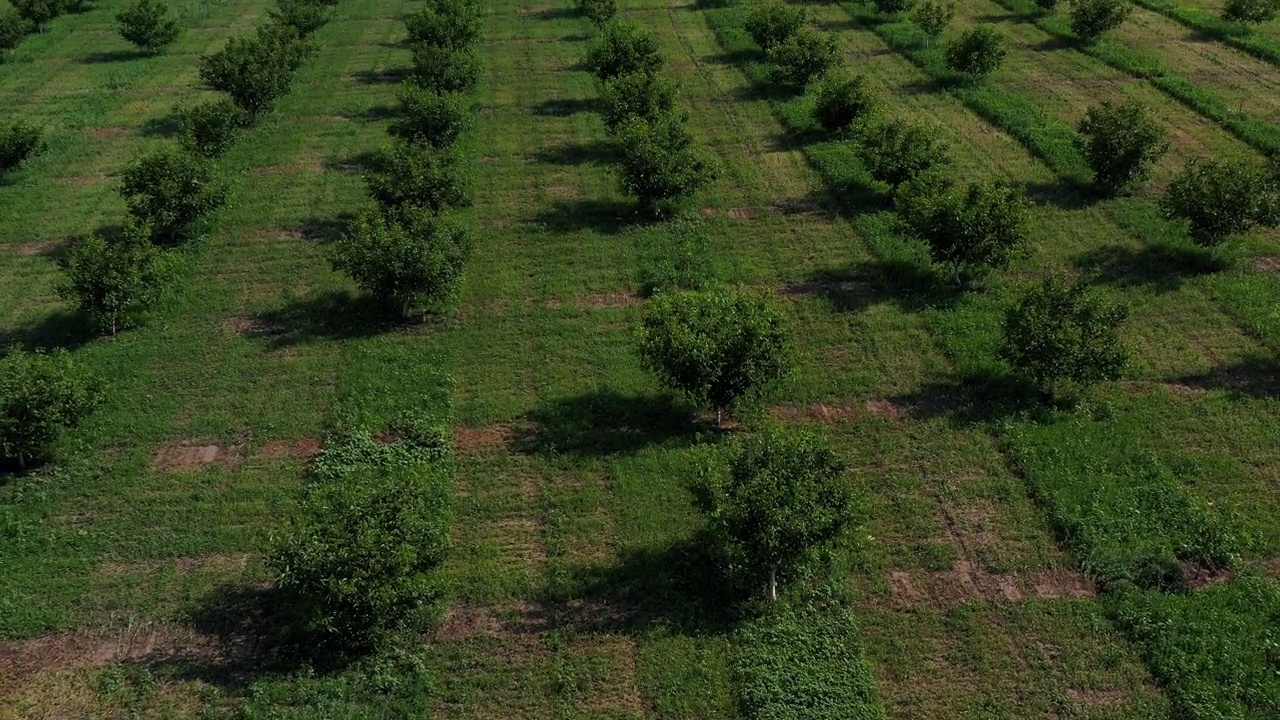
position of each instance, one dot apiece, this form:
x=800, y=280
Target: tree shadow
x=1053, y=43
x=1064, y=194
x=166, y=126
x=331, y=315
x=112, y=56
x=59, y=329
x=1162, y=267
x=836, y=26
x=378, y=113
x=605, y=422
x=1257, y=377
x=598, y=152
x=326, y=230
x=978, y=397
x=385, y=76
x=733, y=57
x=353, y=163
x=564, y=107
x=909, y=283
x=602, y=216
x=559, y=13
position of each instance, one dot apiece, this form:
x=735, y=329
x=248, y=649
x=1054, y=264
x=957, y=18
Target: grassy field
x=988, y=574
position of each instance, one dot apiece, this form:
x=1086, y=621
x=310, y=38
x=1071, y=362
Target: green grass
x=1255, y=43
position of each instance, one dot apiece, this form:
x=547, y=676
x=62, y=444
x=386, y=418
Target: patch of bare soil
x=795, y=207
x=471, y=440
x=514, y=619
x=302, y=448
x=190, y=458
x=184, y=565
x=30, y=249
x=1271, y=568
x=607, y=300
x=820, y=412
x=966, y=582
x=1269, y=264
x=104, y=133
x=1195, y=575
x=740, y=213
x=707, y=212
x=1097, y=698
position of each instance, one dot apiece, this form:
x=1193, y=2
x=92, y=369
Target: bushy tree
x=772, y=499
x=840, y=100
x=430, y=117
x=453, y=24
x=304, y=16
x=256, y=70
x=802, y=57
x=716, y=346
x=1122, y=143
x=647, y=96
x=445, y=69
x=973, y=229
x=407, y=175
x=933, y=17
x=112, y=280
x=1220, y=199
x=896, y=152
x=599, y=12
x=978, y=52
x=168, y=191
x=412, y=263
x=41, y=394
x=13, y=27
x=145, y=24
x=1251, y=11
x=772, y=23
x=37, y=12
x=658, y=161
x=210, y=128
x=18, y=142
x=892, y=7
x=1090, y=19
x=623, y=48
x=1060, y=331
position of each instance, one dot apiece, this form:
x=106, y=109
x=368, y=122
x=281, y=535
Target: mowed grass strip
x=1261, y=41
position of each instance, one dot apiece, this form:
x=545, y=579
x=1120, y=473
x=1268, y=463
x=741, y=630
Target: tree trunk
x=773, y=583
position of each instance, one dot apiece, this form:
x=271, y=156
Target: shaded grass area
x=1256, y=43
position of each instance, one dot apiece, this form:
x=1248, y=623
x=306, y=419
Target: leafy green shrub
x=112, y=280
x=1059, y=331
x=144, y=23
x=971, y=230
x=839, y=101
x=445, y=69
x=210, y=128
x=933, y=17
x=40, y=395
x=599, y=12
x=677, y=257
x=13, y=27
x=642, y=95
x=802, y=57
x=1121, y=143
x=430, y=117
x=772, y=499
x=1090, y=19
x=1251, y=11
x=37, y=12
x=304, y=16
x=716, y=346
x=1220, y=199
x=658, y=161
x=772, y=23
x=409, y=175
x=168, y=191
x=892, y=7
x=623, y=48
x=256, y=70
x=978, y=52
x=453, y=24
x=896, y=152
x=18, y=142
x=412, y=264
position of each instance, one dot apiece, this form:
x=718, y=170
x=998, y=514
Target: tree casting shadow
x=598, y=152
x=331, y=315
x=112, y=56
x=1161, y=267
x=1257, y=377
x=602, y=216
x=606, y=422
x=564, y=107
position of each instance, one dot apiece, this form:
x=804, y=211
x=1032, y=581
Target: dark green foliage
x=933, y=17
x=144, y=23
x=1122, y=143
x=210, y=128
x=772, y=23
x=802, y=57
x=1060, y=331
x=892, y=7
x=839, y=101
x=40, y=395
x=112, y=280
x=37, y=12
x=414, y=175
x=18, y=142
x=430, y=117
x=304, y=16
x=445, y=69
x=978, y=52
x=623, y=48
x=13, y=27
x=716, y=346
x=168, y=191
x=1090, y=19
x=255, y=70
x=658, y=161
x=453, y=24
x=599, y=12
x=772, y=499
x=411, y=264
x=1222, y=198
x=896, y=152
x=676, y=257
x=642, y=95
x=1047, y=5
x=972, y=230
x=1251, y=11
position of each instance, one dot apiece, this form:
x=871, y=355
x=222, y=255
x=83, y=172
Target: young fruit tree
x=978, y=52
x=896, y=152
x=304, y=16
x=112, y=280
x=445, y=69
x=210, y=128
x=599, y=12
x=1047, y=6
x=644, y=96
x=892, y=7
x=144, y=23
x=41, y=394
x=802, y=57
x=412, y=264
x=170, y=190
x=1221, y=199
x=37, y=12
x=771, y=23
x=1251, y=12
x=933, y=18
x=453, y=24
x=13, y=27
x=718, y=347
x=409, y=175
x=623, y=48
x=772, y=499
x=972, y=230
x=18, y=141
x=1121, y=143
x=430, y=117
x=256, y=70
x=839, y=101
x=1091, y=19
x=1060, y=331
x=658, y=162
